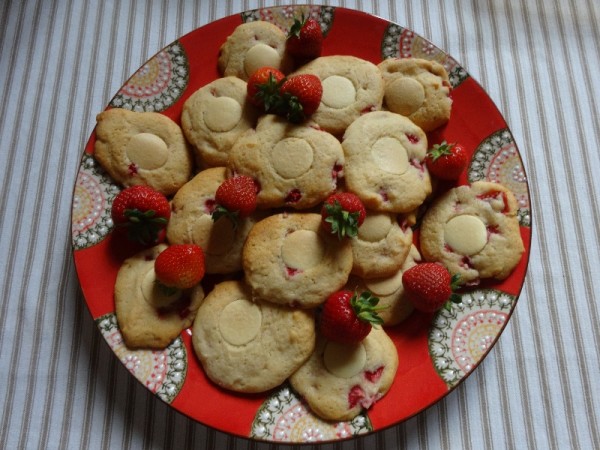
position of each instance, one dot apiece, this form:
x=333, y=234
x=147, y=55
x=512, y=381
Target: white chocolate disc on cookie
x=222, y=114
x=338, y=92
x=291, y=157
x=302, y=249
x=375, y=227
x=147, y=151
x=390, y=155
x=404, y=95
x=154, y=295
x=261, y=55
x=465, y=234
x=240, y=321
x=344, y=361
x=385, y=286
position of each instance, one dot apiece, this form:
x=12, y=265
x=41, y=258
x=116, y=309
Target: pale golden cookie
x=339, y=381
x=474, y=231
x=294, y=165
x=418, y=89
x=384, y=162
x=290, y=259
x=148, y=317
x=248, y=345
x=142, y=148
x=253, y=45
x=214, y=117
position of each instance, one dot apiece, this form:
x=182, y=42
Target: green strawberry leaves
x=365, y=307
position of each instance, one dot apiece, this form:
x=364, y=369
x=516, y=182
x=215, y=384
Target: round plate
x=436, y=351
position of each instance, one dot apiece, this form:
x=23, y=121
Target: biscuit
x=148, y=317
x=351, y=87
x=294, y=165
x=418, y=89
x=214, y=117
x=253, y=45
x=385, y=167
x=249, y=345
x=142, y=148
x=290, y=259
x=191, y=223
x=339, y=381
x=474, y=231
x=381, y=246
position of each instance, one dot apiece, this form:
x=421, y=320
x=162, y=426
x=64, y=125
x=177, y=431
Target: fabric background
x=60, y=63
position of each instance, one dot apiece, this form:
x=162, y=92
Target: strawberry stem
x=365, y=307
x=343, y=223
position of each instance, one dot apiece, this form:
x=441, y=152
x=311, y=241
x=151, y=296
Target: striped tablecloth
x=61, y=61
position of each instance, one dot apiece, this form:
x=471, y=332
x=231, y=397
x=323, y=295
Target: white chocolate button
x=261, y=55
x=465, y=234
x=154, y=295
x=404, y=95
x=291, y=157
x=302, y=249
x=215, y=238
x=383, y=287
x=344, y=361
x=222, y=114
x=375, y=227
x=147, y=151
x=240, y=321
x=338, y=92
x=390, y=155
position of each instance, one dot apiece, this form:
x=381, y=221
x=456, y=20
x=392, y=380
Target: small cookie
x=474, y=231
x=253, y=45
x=191, y=223
x=147, y=316
x=249, y=345
x=384, y=162
x=351, y=87
x=418, y=89
x=338, y=381
x=142, y=148
x=290, y=259
x=381, y=246
x=294, y=165
x=214, y=117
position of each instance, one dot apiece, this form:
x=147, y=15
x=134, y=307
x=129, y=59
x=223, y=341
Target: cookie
x=418, y=89
x=351, y=87
x=214, y=117
x=294, y=165
x=149, y=317
x=248, y=345
x=474, y=231
x=290, y=259
x=381, y=245
x=253, y=45
x=339, y=381
x=142, y=148
x=385, y=167
x=191, y=223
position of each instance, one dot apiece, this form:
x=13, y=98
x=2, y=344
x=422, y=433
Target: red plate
x=436, y=351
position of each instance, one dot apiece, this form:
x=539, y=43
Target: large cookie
x=142, y=148
x=250, y=345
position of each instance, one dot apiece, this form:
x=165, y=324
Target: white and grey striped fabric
x=62, y=387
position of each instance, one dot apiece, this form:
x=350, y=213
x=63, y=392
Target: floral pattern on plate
x=92, y=200
x=399, y=42
x=285, y=417
x=161, y=371
x=158, y=84
x=497, y=159
x=461, y=336
x=283, y=16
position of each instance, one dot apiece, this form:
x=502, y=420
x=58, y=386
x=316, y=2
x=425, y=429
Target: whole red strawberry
x=262, y=88
x=305, y=39
x=342, y=214
x=180, y=266
x=144, y=211
x=235, y=197
x=347, y=318
x=301, y=96
x=429, y=286
x=446, y=161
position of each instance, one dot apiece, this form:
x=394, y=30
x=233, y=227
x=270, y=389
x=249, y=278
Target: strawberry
x=429, y=286
x=235, y=197
x=180, y=266
x=301, y=96
x=342, y=214
x=347, y=318
x=446, y=161
x=305, y=39
x=144, y=211
x=262, y=88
